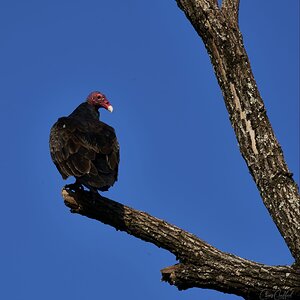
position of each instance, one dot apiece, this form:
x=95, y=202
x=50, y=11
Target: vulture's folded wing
x=90, y=149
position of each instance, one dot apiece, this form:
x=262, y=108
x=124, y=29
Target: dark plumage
x=84, y=147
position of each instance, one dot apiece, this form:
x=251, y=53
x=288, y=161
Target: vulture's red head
x=98, y=100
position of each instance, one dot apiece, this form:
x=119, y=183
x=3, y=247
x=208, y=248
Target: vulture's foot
x=76, y=186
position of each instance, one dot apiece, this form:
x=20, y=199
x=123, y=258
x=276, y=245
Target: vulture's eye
x=99, y=97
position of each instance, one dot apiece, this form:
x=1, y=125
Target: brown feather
x=86, y=148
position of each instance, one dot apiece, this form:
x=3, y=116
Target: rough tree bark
x=200, y=264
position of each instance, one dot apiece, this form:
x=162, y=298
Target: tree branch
x=258, y=144
x=231, y=9
x=199, y=4
x=201, y=265
x=246, y=279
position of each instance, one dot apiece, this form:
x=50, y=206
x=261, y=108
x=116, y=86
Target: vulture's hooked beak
x=110, y=109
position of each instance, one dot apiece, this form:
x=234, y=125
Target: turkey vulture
x=84, y=147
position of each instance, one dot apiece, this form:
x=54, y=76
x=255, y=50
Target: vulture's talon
x=74, y=186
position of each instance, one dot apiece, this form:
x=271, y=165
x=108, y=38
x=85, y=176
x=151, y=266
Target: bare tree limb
x=258, y=144
x=231, y=9
x=202, y=265
x=199, y=4
x=244, y=278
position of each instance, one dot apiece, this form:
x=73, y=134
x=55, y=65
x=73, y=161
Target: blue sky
x=179, y=157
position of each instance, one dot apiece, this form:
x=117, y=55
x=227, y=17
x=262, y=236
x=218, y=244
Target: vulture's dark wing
x=88, y=151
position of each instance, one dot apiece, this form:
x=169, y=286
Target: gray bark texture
x=200, y=264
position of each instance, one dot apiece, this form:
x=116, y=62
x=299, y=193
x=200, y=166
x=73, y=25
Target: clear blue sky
x=179, y=157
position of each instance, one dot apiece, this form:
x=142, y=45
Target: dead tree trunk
x=200, y=264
